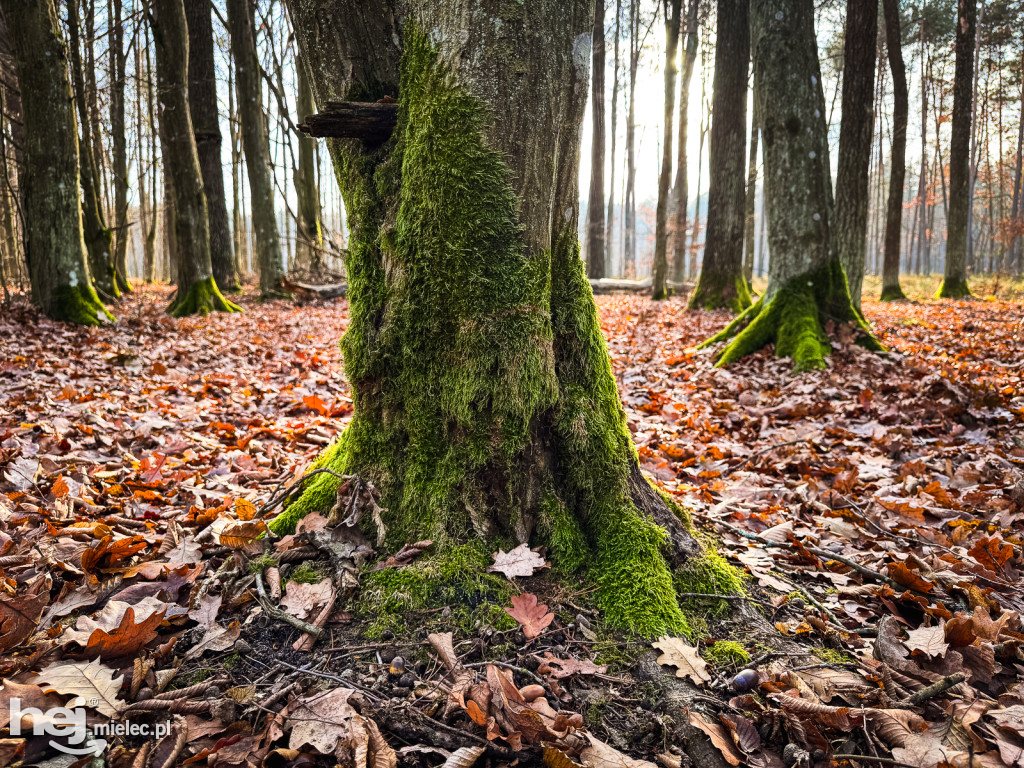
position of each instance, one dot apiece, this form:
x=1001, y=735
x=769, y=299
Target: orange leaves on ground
x=532, y=617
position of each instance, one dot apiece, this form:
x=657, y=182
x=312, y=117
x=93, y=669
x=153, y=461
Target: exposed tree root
x=201, y=298
x=78, y=304
x=954, y=289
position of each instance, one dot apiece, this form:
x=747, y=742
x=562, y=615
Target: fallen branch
x=274, y=612
x=933, y=690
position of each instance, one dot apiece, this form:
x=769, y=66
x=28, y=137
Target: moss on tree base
x=892, y=293
x=78, y=304
x=794, y=318
x=201, y=298
x=718, y=290
x=954, y=288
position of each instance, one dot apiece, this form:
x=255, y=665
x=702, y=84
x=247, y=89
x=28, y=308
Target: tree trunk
x=49, y=181
x=629, y=200
x=256, y=146
x=855, y=133
x=119, y=148
x=673, y=10
x=891, y=290
x=595, y=208
x=751, y=200
x=682, y=181
x=202, y=101
x=1016, y=262
x=721, y=283
x=954, y=282
x=806, y=284
x=485, y=402
x=610, y=218
x=99, y=240
x=197, y=291
x=310, y=246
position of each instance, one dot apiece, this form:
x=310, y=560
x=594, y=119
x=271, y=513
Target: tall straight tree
x=202, y=102
x=629, y=201
x=681, y=185
x=750, y=202
x=595, y=208
x=609, y=228
x=256, y=144
x=721, y=283
x=310, y=234
x=197, y=291
x=54, y=248
x=99, y=239
x=806, y=284
x=891, y=290
x=485, y=402
x=119, y=144
x=672, y=11
x=856, y=130
x=954, y=281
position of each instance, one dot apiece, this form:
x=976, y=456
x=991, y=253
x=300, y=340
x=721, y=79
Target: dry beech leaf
x=322, y=720
x=719, y=736
x=930, y=641
x=562, y=668
x=305, y=600
x=19, y=617
x=601, y=755
x=464, y=757
x=533, y=618
x=93, y=681
x=676, y=653
x=217, y=638
x=519, y=562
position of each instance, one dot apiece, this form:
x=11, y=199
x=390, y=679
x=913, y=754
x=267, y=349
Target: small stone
x=387, y=634
x=388, y=654
x=242, y=647
x=446, y=612
x=798, y=603
x=408, y=680
x=347, y=674
x=582, y=620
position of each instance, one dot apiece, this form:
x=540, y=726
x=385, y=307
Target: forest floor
x=876, y=507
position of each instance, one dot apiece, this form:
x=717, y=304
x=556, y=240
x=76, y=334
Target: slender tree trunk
x=1016, y=211
x=672, y=11
x=54, y=248
x=310, y=244
x=149, y=254
x=751, y=200
x=855, y=133
x=806, y=286
x=99, y=240
x=891, y=290
x=974, y=151
x=696, y=202
x=197, y=290
x=256, y=146
x=486, y=402
x=721, y=283
x=610, y=218
x=145, y=215
x=595, y=207
x=954, y=282
x=119, y=145
x=682, y=180
x=629, y=201
x=202, y=100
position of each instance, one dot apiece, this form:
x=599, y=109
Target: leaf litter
x=875, y=505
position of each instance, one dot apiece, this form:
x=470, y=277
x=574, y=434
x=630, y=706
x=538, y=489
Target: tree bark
x=682, y=169
x=751, y=200
x=721, y=284
x=1016, y=263
x=806, y=285
x=197, y=291
x=256, y=146
x=310, y=245
x=856, y=130
x=672, y=11
x=202, y=101
x=610, y=217
x=54, y=248
x=485, y=403
x=119, y=148
x=595, y=207
x=99, y=239
x=629, y=200
x=891, y=290
x=954, y=282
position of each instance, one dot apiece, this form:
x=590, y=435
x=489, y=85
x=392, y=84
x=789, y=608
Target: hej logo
x=59, y=722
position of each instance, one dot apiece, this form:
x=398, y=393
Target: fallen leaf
x=676, y=653
x=533, y=618
x=305, y=600
x=92, y=681
x=520, y=562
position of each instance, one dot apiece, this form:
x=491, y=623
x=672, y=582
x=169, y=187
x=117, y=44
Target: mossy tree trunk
x=855, y=133
x=255, y=143
x=806, y=284
x=202, y=101
x=891, y=290
x=485, y=404
x=672, y=10
x=197, y=291
x=721, y=284
x=119, y=145
x=954, y=281
x=54, y=248
x=99, y=238
x=310, y=245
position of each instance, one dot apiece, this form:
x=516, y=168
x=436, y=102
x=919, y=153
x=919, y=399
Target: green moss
x=261, y=563
x=677, y=509
x=832, y=656
x=201, y=298
x=594, y=715
x=78, y=304
x=726, y=653
x=232, y=661
x=954, y=289
x=719, y=290
x=308, y=572
x=795, y=319
x=484, y=400
x=710, y=574
x=892, y=293
x=454, y=577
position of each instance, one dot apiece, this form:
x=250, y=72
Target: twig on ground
x=275, y=612
x=763, y=451
x=933, y=690
x=512, y=667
